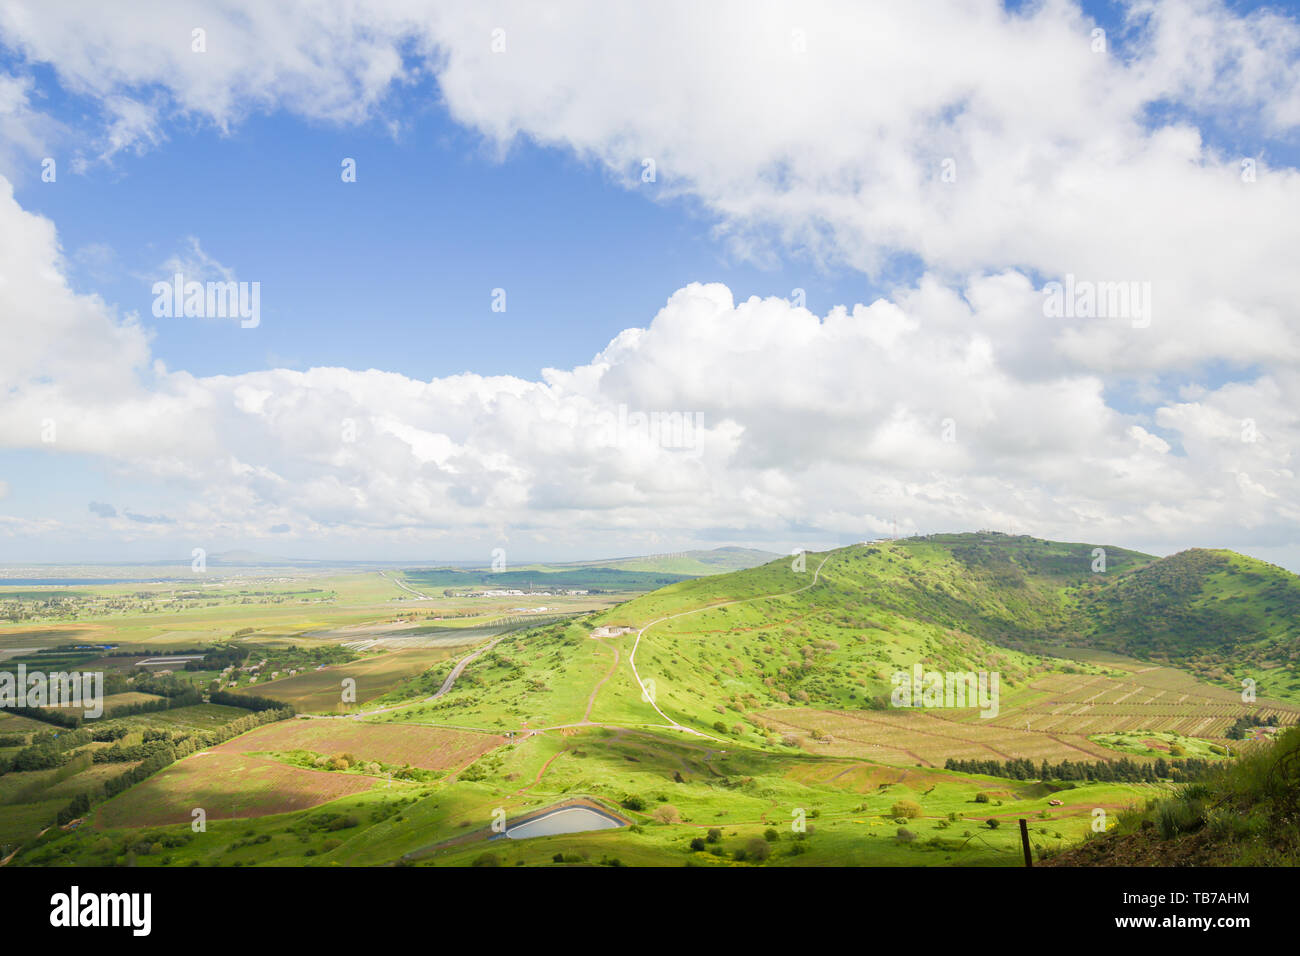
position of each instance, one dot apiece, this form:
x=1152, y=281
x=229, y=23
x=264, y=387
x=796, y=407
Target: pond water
x=567, y=820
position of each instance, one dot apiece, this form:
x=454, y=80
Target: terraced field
x=1050, y=720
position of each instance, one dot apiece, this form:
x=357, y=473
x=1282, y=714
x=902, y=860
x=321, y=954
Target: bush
x=667, y=813
x=487, y=859
x=906, y=809
x=633, y=802
x=1182, y=814
x=992, y=823
x=905, y=835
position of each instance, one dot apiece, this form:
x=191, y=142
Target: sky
x=611, y=282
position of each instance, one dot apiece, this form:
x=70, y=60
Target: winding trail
x=586, y=721
x=446, y=686
x=646, y=696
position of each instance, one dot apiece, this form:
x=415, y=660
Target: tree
x=991, y=823
x=667, y=813
x=714, y=835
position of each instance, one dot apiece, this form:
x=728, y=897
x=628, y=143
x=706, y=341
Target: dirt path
x=446, y=686
x=645, y=695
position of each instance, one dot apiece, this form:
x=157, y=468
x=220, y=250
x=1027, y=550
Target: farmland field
x=225, y=786
x=430, y=748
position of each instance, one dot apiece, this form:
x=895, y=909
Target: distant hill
x=540, y=578
x=687, y=563
x=1216, y=612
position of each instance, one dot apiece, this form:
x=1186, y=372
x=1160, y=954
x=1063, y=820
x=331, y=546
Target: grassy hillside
x=1247, y=814
x=759, y=697
x=1222, y=615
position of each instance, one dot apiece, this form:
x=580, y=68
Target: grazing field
x=193, y=717
x=21, y=822
x=1162, y=744
x=320, y=691
x=225, y=786
x=18, y=724
x=429, y=748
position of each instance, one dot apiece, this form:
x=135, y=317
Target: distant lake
x=67, y=582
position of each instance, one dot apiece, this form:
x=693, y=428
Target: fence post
x=1024, y=840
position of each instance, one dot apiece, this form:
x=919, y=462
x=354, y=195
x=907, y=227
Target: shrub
x=667, y=813
x=1181, y=814
x=907, y=809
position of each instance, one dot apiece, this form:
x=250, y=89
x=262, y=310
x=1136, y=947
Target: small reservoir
x=563, y=820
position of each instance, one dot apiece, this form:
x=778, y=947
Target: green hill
x=964, y=600
x=1220, y=614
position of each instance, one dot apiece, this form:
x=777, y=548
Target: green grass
x=746, y=644
x=1161, y=744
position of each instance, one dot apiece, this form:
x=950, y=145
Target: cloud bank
x=994, y=152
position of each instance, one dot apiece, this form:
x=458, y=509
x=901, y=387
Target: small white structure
x=611, y=631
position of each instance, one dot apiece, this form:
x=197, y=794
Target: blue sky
x=396, y=270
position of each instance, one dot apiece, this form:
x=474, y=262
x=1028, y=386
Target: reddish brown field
x=225, y=786
x=429, y=748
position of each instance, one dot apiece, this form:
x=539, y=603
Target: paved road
x=423, y=597
x=446, y=686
